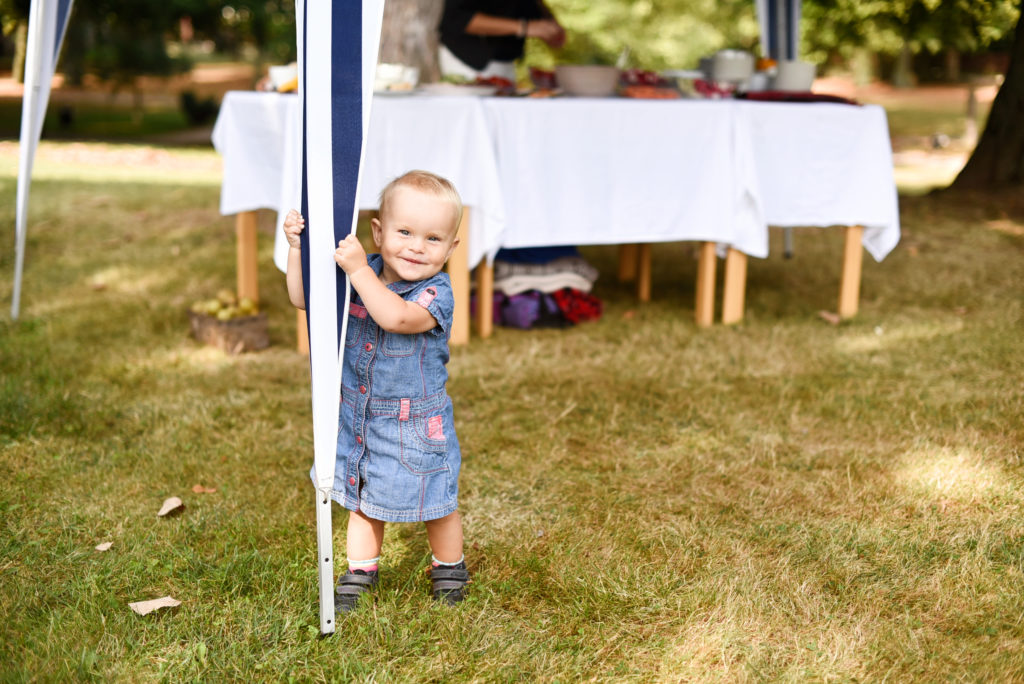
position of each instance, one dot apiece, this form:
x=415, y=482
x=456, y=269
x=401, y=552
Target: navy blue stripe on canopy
x=345, y=136
x=63, y=10
x=346, y=121
x=781, y=27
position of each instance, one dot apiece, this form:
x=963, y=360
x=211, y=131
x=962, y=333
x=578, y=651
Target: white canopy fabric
x=47, y=22
x=337, y=47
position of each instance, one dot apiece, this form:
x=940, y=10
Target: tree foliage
x=120, y=39
x=658, y=33
x=838, y=27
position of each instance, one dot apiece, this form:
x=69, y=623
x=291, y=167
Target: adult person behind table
x=482, y=38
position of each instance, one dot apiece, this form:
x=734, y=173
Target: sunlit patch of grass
x=945, y=473
x=896, y=335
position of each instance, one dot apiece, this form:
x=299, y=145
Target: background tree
x=836, y=30
x=409, y=35
x=998, y=160
x=14, y=22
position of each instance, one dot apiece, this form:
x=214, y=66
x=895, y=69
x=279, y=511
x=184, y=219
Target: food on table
x=642, y=77
x=713, y=90
x=544, y=92
x=504, y=86
x=649, y=92
x=543, y=79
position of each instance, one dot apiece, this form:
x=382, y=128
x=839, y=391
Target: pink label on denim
x=404, y=411
x=434, y=427
x=426, y=297
x=357, y=311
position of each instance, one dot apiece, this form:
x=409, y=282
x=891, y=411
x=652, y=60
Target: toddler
x=398, y=457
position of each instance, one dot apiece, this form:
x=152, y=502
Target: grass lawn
x=643, y=500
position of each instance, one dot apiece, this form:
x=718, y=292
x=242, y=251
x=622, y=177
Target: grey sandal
x=351, y=586
x=449, y=582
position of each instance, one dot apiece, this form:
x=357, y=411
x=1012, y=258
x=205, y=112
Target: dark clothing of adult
x=477, y=51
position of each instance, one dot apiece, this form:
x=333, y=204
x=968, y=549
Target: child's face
x=416, y=235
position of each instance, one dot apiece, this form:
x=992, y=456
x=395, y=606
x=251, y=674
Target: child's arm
x=390, y=311
x=293, y=226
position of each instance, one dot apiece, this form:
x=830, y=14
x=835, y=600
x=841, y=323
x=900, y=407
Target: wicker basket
x=234, y=336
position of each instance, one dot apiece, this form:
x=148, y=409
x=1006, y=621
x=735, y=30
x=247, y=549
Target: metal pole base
x=325, y=560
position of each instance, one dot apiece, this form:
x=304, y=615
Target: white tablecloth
x=595, y=171
x=580, y=171
x=825, y=164
x=258, y=136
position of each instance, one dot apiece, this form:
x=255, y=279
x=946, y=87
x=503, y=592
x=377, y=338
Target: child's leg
x=448, y=574
x=362, y=543
x=445, y=536
x=365, y=537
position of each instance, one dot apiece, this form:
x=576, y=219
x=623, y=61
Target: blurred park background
x=156, y=71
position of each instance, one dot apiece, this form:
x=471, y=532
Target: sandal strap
x=442, y=573
x=353, y=585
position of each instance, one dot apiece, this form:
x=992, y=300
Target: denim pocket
x=355, y=322
x=396, y=344
x=423, y=448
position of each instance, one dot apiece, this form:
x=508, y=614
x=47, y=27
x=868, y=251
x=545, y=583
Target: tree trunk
x=20, y=47
x=998, y=160
x=903, y=75
x=409, y=35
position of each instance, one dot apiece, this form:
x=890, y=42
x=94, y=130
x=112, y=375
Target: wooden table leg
x=849, y=280
x=643, y=275
x=734, y=289
x=628, y=260
x=484, y=299
x=706, y=284
x=247, y=261
x=458, y=271
x=301, y=333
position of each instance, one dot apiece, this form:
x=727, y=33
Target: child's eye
x=434, y=239
x=403, y=231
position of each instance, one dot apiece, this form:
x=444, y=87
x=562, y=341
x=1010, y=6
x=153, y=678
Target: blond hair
x=427, y=182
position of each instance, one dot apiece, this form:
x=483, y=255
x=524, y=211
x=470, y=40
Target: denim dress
x=398, y=457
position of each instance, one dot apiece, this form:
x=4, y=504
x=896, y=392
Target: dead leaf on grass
x=104, y=546
x=200, y=489
x=829, y=317
x=146, y=607
x=627, y=315
x=171, y=505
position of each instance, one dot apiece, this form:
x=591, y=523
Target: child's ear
x=376, y=227
x=455, y=243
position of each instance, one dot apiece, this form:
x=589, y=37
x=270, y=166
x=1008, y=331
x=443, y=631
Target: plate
x=394, y=93
x=453, y=89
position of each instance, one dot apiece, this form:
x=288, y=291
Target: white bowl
x=279, y=75
x=732, y=66
x=794, y=76
x=397, y=77
x=587, y=80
